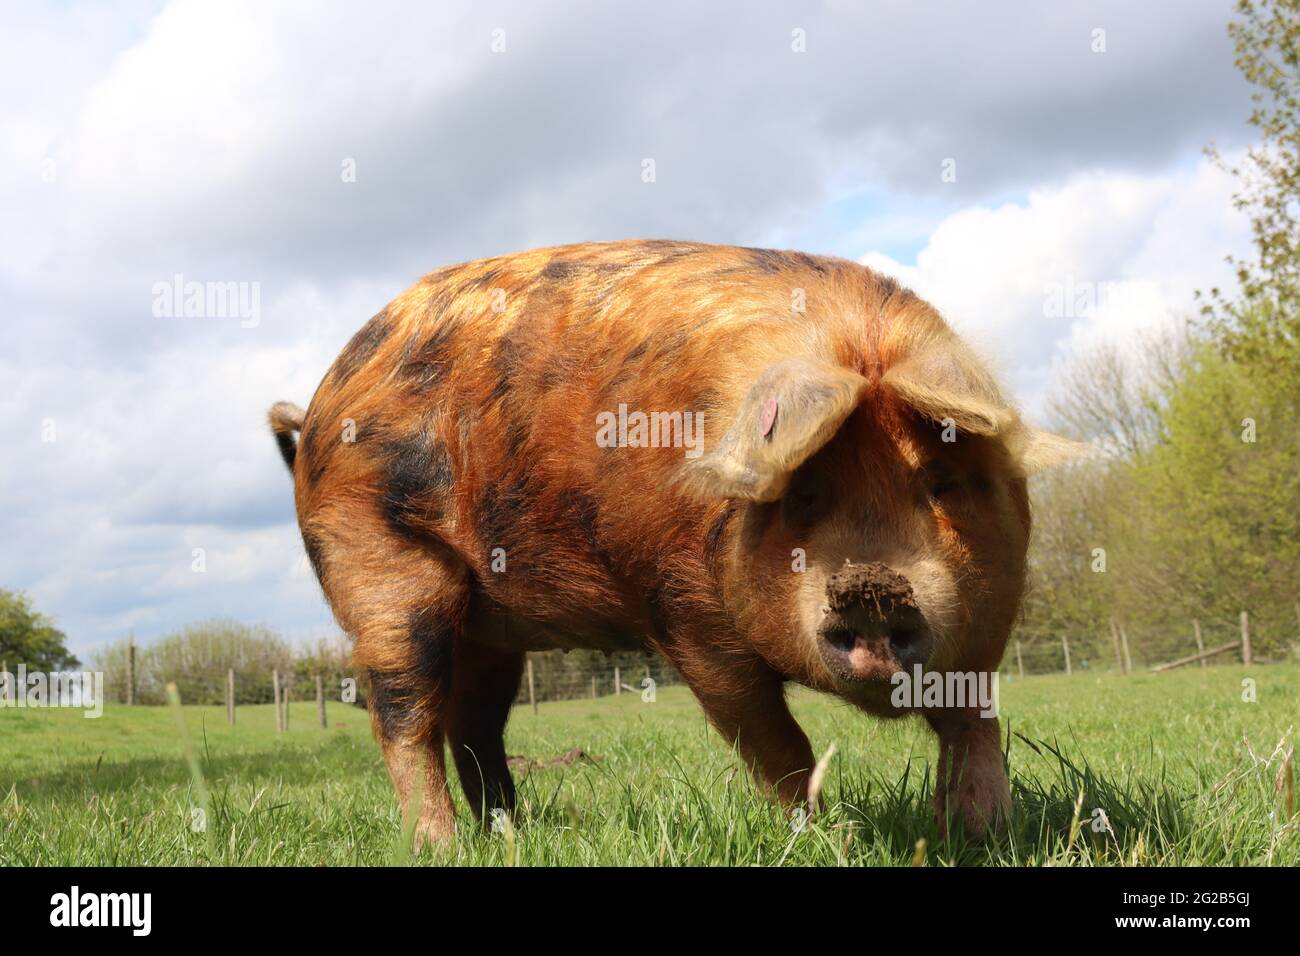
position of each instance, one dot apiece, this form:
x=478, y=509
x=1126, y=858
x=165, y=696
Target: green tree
x=1261, y=325
x=1217, y=522
x=196, y=658
x=29, y=637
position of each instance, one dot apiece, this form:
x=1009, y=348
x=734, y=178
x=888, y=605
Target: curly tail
x=286, y=421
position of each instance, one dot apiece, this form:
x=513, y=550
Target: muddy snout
x=872, y=627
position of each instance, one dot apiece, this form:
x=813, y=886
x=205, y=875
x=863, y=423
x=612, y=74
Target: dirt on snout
x=875, y=585
x=567, y=759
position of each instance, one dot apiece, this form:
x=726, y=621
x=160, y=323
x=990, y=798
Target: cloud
x=1099, y=256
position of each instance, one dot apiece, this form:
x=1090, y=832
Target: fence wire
x=557, y=675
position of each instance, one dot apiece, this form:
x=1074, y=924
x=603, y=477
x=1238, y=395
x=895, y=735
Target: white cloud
x=1101, y=255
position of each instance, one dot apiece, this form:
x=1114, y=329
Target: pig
x=852, y=507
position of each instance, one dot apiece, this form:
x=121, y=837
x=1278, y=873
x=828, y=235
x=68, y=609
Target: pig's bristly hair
x=473, y=396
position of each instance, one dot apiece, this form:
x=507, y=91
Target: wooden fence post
x=532, y=692
x=618, y=682
x=1020, y=662
x=1119, y=654
x=593, y=686
x=320, y=699
x=230, y=696
x=1200, y=644
x=275, y=687
x=130, y=672
x=1123, y=642
x=1065, y=643
x=1246, y=657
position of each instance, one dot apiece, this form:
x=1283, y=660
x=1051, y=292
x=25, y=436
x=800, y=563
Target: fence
x=1042, y=653
x=556, y=675
x=547, y=676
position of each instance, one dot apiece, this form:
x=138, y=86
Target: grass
x=1185, y=772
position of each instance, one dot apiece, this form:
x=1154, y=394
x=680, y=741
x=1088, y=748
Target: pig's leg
x=745, y=700
x=419, y=774
x=971, y=783
x=406, y=622
x=487, y=680
x=407, y=715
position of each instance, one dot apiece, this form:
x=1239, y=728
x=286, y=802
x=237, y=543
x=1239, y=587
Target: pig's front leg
x=971, y=783
x=745, y=700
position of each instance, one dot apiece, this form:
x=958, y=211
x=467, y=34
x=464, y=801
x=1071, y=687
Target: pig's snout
x=872, y=627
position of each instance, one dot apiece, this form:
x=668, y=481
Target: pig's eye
x=805, y=502
x=940, y=490
x=941, y=483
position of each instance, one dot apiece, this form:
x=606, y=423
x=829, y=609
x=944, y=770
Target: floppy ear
x=792, y=410
x=945, y=382
x=1035, y=450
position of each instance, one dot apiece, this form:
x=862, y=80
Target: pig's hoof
x=433, y=834
x=982, y=811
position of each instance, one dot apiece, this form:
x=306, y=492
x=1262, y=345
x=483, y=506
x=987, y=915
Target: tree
x=1088, y=559
x=196, y=659
x=1111, y=397
x=1222, y=492
x=29, y=637
x=1194, y=508
x=1261, y=326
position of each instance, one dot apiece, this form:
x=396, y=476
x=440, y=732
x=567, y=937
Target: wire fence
x=1112, y=646
x=135, y=677
x=549, y=675
x=557, y=675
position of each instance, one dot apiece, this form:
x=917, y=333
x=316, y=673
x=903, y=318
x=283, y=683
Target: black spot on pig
x=713, y=539
x=562, y=269
x=501, y=509
x=584, y=511
x=417, y=478
x=363, y=345
x=402, y=700
x=315, y=553
x=429, y=361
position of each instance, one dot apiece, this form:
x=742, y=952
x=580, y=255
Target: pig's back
x=476, y=398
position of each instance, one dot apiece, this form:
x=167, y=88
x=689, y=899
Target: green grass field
x=1184, y=770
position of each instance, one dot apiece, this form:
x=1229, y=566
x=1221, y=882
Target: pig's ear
x=791, y=411
x=947, y=384
x=1035, y=450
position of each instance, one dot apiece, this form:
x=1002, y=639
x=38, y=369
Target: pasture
x=1184, y=771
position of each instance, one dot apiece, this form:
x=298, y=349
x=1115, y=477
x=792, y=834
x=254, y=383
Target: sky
x=1035, y=170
